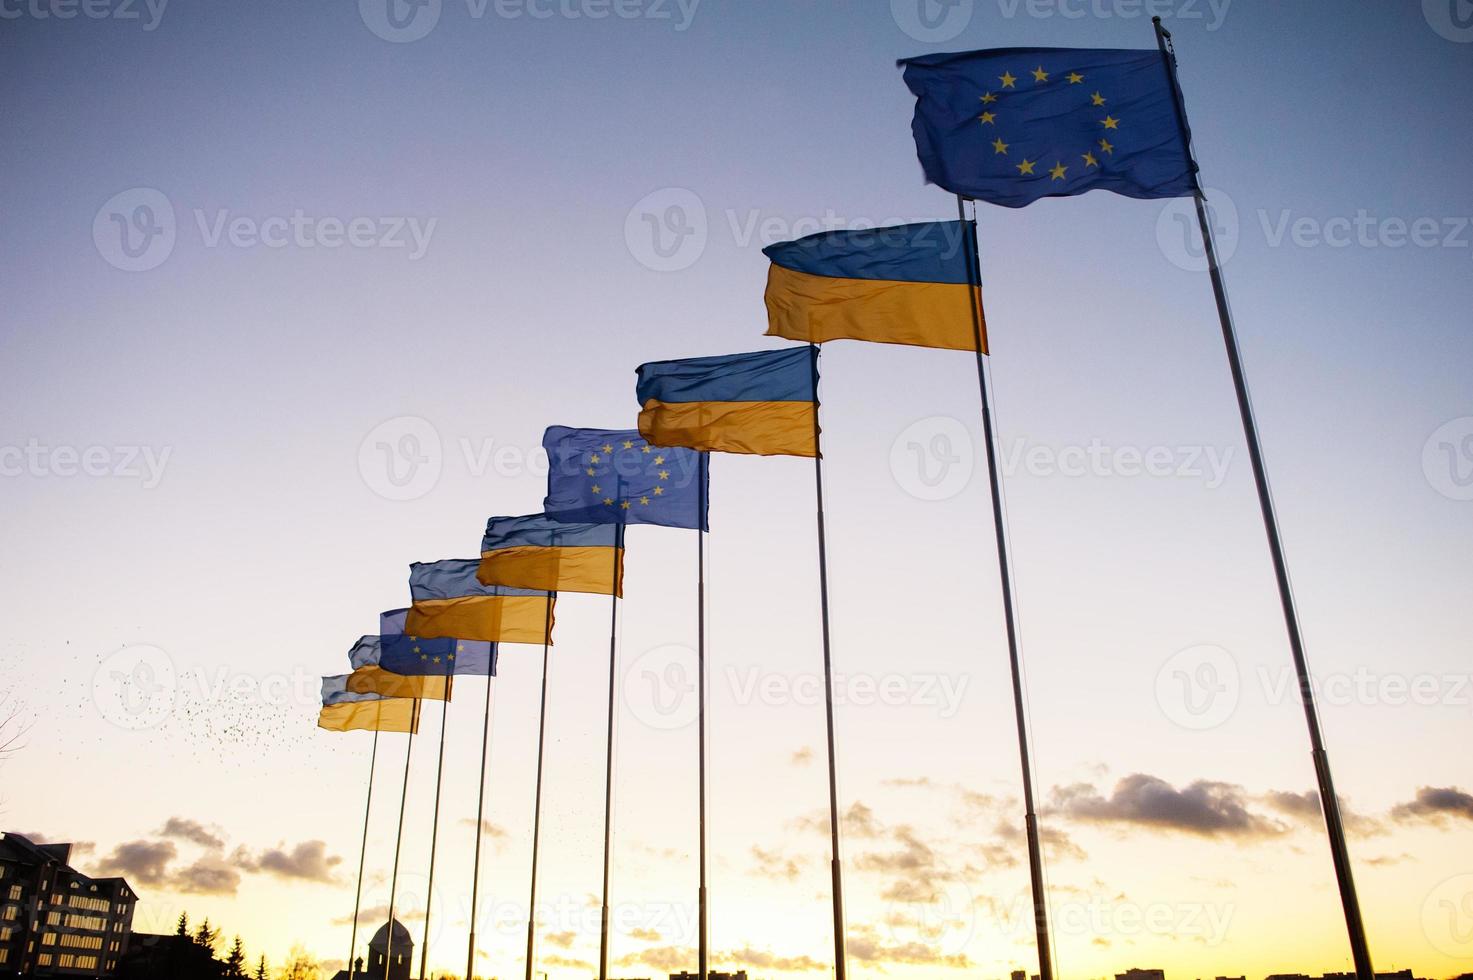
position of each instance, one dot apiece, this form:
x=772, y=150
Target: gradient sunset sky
x=218, y=456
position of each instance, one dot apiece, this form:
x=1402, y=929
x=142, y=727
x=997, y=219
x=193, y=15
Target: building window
x=11, y=913
x=49, y=939
x=86, y=962
x=4, y=955
x=15, y=893
x=44, y=959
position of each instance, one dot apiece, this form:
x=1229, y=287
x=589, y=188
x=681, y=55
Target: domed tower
x=402, y=952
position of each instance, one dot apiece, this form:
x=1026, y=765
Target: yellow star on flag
x=1090, y=161
x=1026, y=167
x=988, y=117
x=999, y=146
x=597, y=488
x=628, y=443
x=608, y=448
x=594, y=458
x=645, y=448
x=624, y=505
x=1058, y=172
x=1075, y=78
x=1097, y=99
x=659, y=460
x=1110, y=122
x=1039, y=75
x=644, y=501
x=988, y=98
x=1007, y=79
x=659, y=490
x=1107, y=146
x=664, y=474
x=591, y=471
x=608, y=501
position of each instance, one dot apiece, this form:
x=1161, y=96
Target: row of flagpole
x=1330, y=804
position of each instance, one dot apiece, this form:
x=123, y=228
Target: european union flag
x=1011, y=125
x=614, y=476
x=402, y=653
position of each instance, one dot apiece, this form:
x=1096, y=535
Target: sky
x=373, y=252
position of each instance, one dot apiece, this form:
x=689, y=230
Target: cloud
x=776, y=865
x=1057, y=843
x=571, y=962
x=562, y=940
x=802, y=757
x=1203, y=808
x=865, y=945
x=856, y=822
x=207, y=876
x=647, y=935
x=377, y=915
x=142, y=862
x=488, y=828
x=1305, y=807
x=307, y=861
x=192, y=831
x=765, y=960
x=666, y=959
x=1435, y=805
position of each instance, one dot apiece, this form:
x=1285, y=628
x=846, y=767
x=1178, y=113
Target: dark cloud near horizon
x=1203, y=808
x=142, y=862
x=307, y=861
x=182, y=828
x=1436, y=804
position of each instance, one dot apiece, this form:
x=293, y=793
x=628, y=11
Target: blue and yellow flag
x=1011, y=125
x=763, y=403
x=537, y=552
x=908, y=284
x=405, y=653
x=616, y=476
x=450, y=602
x=369, y=677
x=346, y=711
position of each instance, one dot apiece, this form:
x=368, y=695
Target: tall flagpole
x=362, y=856
x=470, y=956
x=1030, y=814
x=537, y=806
x=603, y=929
x=398, y=844
x=424, y=952
x=1329, y=802
x=702, y=957
x=828, y=686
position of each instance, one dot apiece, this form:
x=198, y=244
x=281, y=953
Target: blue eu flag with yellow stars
x=1011, y=125
x=614, y=476
x=416, y=656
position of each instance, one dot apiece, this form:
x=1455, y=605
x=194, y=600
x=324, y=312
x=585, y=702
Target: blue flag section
x=614, y=476
x=1011, y=125
x=402, y=653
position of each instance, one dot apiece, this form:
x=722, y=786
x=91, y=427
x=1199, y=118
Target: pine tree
x=183, y=924
x=261, y=973
x=207, y=937
x=235, y=960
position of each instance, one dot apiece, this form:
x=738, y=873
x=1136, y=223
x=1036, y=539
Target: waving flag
x=763, y=403
x=450, y=602
x=908, y=284
x=346, y=711
x=403, y=653
x=616, y=476
x=537, y=552
x=1011, y=125
x=369, y=677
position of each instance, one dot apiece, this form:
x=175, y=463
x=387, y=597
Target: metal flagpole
x=398, y=843
x=537, y=806
x=470, y=960
x=362, y=856
x=1329, y=802
x=603, y=929
x=828, y=686
x=424, y=952
x=702, y=957
x=1030, y=814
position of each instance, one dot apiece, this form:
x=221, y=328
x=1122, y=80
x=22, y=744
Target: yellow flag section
x=908, y=284
x=537, y=553
x=381, y=715
x=450, y=601
x=372, y=679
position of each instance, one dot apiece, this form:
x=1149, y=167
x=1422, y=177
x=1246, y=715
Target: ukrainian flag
x=538, y=553
x=346, y=711
x=763, y=403
x=369, y=677
x=909, y=284
x=404, y=653
x=450, y=602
